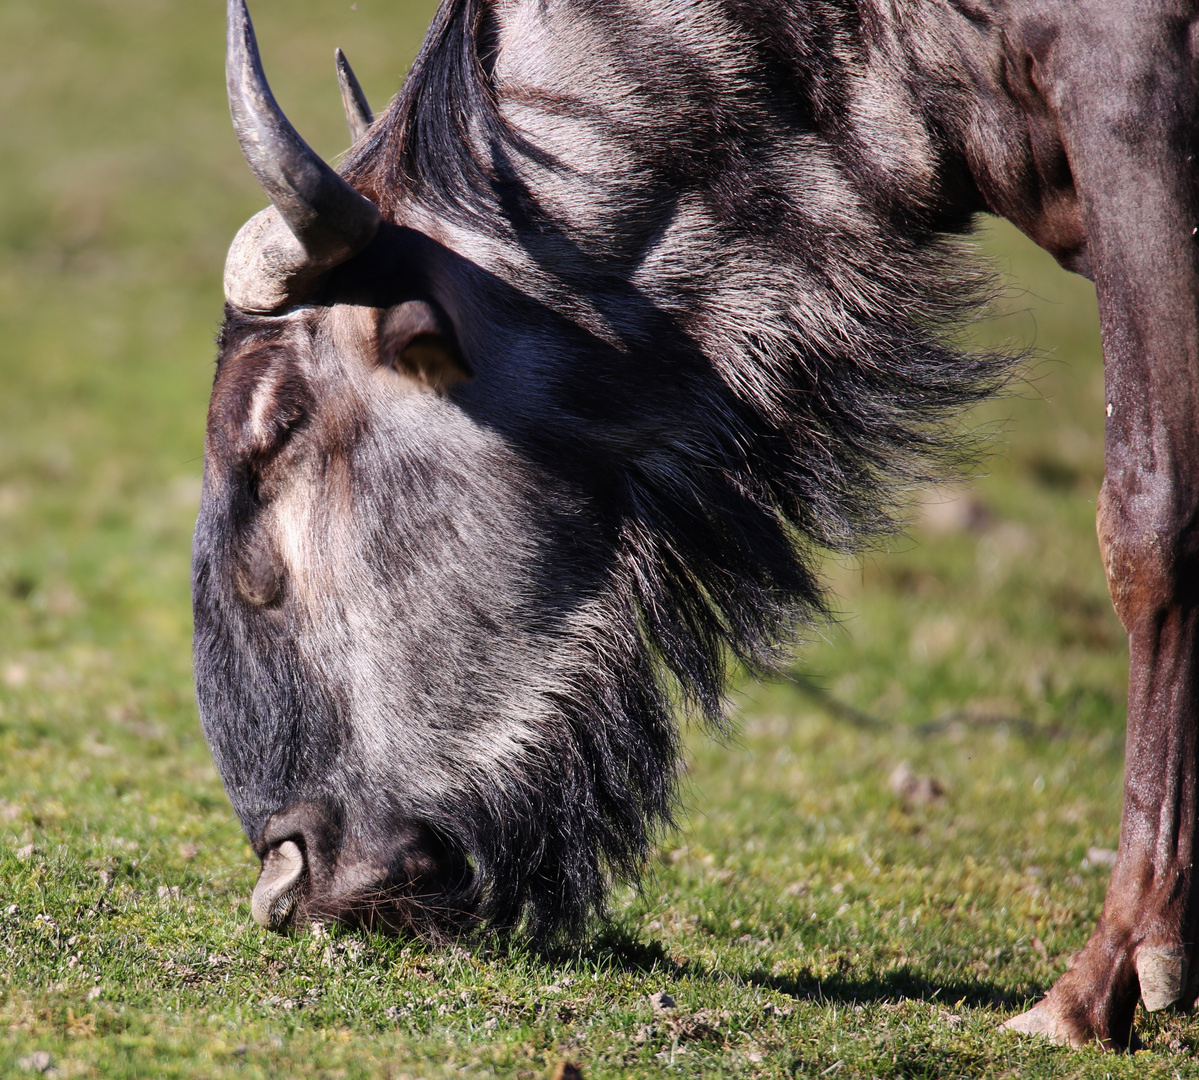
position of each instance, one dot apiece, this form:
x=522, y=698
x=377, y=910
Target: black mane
x=729, y=447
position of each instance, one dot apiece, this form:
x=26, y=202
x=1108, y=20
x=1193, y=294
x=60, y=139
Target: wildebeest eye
x=259, y=400
x=415, y=338
x=258, y=576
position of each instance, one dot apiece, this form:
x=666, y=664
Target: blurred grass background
x=815, y=909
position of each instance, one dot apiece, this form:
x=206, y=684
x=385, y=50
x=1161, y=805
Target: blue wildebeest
x=533, y=416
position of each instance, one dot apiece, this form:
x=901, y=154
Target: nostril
x=298, y=847
x=279, y=885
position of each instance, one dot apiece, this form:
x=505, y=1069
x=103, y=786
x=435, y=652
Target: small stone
x=26, y=852
x=661, y=1001
x=188, y=851
x=913, y=789
x=94, y=993
x=1097, y=856
x=38, y=1061
x=948, y=510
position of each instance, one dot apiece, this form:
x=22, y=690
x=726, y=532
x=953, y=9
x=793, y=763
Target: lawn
x=902, y=846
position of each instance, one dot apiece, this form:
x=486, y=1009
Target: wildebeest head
x=521, y=429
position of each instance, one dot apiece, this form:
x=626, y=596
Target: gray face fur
x=398, y=602
x=639, y=330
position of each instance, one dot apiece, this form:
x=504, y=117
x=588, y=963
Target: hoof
x=1039, y=1020
x=1162, y=974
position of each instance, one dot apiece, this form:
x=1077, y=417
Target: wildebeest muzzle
x=411, y=882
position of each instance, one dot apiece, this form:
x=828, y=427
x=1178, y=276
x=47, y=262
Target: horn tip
x=239, y=34
x=358, y=110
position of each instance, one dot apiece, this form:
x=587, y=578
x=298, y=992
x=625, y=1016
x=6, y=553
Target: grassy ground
x=826, y=909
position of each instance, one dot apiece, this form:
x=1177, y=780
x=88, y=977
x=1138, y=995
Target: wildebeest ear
x=417, y=340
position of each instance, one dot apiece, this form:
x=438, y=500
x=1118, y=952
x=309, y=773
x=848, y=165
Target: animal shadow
x=619, y=949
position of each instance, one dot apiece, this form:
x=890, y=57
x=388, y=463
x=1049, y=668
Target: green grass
x=806, y=919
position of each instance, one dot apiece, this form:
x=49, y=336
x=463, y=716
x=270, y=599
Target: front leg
x=1145, y=938
x=1122, y=85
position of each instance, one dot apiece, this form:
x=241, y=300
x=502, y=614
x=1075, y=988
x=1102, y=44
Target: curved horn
x=317, y=219
x=353, y=100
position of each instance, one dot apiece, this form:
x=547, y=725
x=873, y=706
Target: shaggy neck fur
x=732, y=212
